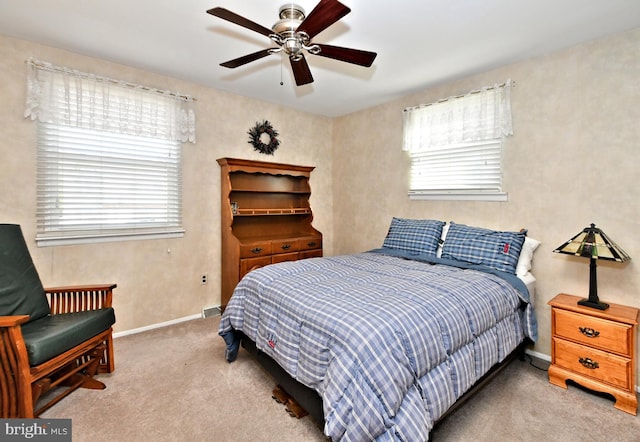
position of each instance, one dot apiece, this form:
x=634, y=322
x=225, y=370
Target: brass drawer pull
x=589, y=363
x=589, y=332
x=311, y=244
x=256, y=250
x=286, y=246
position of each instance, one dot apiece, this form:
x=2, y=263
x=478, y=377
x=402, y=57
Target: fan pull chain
x=281, y=62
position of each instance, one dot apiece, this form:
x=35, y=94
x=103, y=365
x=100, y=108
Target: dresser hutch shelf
x=266, y=217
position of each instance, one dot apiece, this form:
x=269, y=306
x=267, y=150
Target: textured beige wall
x=574, y=159
x=154, y=285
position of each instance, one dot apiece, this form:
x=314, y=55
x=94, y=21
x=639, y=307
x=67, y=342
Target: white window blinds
x=102, y=184
x=109, y=159
x=458, y=168
x=456, y=145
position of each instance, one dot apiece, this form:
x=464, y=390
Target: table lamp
x=592, y=243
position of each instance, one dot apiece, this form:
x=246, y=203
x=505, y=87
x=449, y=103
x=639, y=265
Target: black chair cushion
x=21, y=291
x=52, y=335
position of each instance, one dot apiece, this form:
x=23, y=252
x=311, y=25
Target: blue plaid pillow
x=499, y=250
x=416, y=236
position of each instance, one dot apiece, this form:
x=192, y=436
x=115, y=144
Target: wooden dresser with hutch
x=266, y=217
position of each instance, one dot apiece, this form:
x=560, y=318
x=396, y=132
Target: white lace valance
x=77, y=99
x=477, y=116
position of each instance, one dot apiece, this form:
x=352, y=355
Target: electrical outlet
x=204, y=279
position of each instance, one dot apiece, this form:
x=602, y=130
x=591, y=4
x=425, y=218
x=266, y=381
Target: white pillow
x=530, y=282
x=526, y=256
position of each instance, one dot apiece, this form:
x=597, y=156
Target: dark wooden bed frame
x=311, y=401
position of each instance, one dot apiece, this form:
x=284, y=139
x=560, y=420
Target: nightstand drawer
x=612, y=369
x=594, y=332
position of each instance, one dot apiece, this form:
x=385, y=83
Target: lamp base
x=594, y=304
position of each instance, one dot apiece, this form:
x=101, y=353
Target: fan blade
x=301, y=71
x=245, y=59
x=225, y=14
x=355, y=56
x=326, y=13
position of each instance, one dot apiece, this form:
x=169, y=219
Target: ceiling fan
x=293, y=34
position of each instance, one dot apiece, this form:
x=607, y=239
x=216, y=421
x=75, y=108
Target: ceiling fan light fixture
x=292, y=43
x=293, y=47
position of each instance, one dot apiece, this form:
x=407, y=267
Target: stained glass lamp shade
x=592, y=243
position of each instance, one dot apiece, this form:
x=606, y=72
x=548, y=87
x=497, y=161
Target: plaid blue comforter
x=388, y=343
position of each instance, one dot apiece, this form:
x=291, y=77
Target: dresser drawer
x=282, y=257
x=248, y=264
x=594, y=332
x=602, y=366
x=255, y=249
x=312, y=242
x=284, y=246
x=315, y=253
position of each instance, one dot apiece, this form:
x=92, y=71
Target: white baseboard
x=154, y=326
x=535, y=354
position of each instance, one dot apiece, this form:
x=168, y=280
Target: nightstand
x=595, y=348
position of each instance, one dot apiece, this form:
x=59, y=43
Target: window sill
x=62, y=240
x=459, y=196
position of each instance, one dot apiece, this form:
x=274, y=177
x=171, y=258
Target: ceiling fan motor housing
x=291, y=16
x=292, y=42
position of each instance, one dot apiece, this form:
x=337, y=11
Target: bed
x=391, y=338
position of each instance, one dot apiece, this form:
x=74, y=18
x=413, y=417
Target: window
x=455, y=145
x=95, y=183
x=109, y=158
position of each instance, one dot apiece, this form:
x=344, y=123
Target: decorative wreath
x=255, y=137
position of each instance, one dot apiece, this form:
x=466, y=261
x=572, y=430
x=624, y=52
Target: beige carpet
x=173, y=384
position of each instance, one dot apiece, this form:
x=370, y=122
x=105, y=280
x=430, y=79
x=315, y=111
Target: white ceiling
x=420, y=43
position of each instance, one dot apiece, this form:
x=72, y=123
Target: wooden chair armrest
x=79, y=298
x=13, y=321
